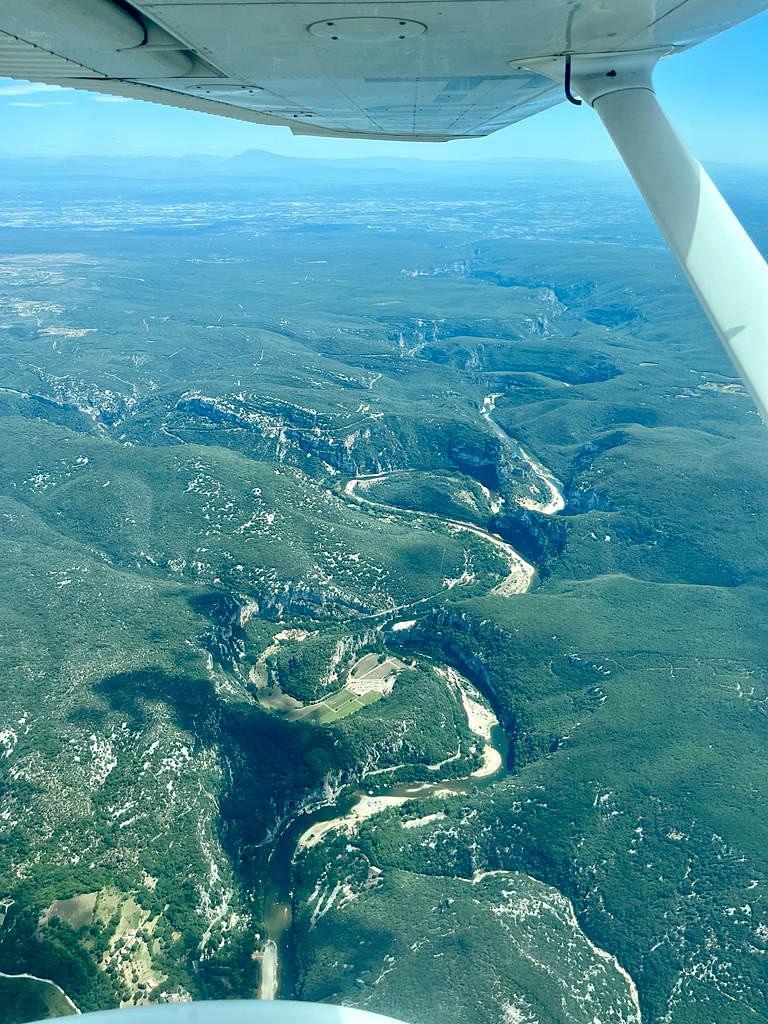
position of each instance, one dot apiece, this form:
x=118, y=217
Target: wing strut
x=727, y=273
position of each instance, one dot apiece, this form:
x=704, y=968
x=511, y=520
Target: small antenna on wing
x=568, y=94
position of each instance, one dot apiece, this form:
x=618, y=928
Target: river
x=308, y=828
x=521, y=573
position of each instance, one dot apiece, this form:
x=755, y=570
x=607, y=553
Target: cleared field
x=77, y=911
x=368, y=680
x=338, y=706
x=371, y=674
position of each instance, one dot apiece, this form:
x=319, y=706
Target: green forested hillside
x=383, y=590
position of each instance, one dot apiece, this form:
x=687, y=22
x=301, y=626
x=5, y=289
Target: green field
x=338, y=706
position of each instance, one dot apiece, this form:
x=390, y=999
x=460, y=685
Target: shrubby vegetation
x=451, y=497
x=311, y=666
x=172, y=480
x=23, y=1000
x=489, y=948
x=662, y=840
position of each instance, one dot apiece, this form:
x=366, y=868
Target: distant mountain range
x=270, y=172
x=271, y=167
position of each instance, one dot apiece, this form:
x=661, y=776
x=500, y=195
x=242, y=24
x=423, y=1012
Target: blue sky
x=716, y=94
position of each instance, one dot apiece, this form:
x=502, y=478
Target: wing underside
x=411, y=69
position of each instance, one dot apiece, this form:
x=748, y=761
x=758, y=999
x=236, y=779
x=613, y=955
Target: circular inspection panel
x=367, y=30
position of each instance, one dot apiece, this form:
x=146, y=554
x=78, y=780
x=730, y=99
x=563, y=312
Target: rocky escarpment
x=457, y=638
x=580, y=497
x=539, y=539
x=229, y=613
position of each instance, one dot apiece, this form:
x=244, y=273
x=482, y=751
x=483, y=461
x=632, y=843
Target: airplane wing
x=236, y=1011
x=413, y=69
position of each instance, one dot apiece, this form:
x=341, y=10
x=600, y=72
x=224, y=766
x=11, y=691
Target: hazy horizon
x=609, y=162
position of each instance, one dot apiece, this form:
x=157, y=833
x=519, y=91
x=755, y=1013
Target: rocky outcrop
x=539, y=539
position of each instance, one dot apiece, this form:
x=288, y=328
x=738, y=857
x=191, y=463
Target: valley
x=382, y=570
